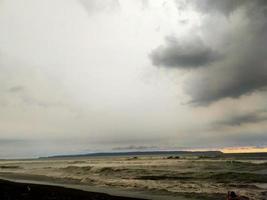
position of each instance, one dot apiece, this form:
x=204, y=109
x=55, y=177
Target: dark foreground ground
x=20, y=191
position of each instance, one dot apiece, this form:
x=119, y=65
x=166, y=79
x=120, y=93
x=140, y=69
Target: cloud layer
x=95, y=6
x=243, y=68
x=93, y=75
x=183, y=54
x=246, y=118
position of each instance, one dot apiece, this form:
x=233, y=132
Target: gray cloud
x=230, y=81
x=12, y=141
x=225, y=6
x=94, y=6
x=243, y=68
x=248, y=139
x=24, y=96
x=59, y=94
x=32, y=101
x=133, y=147
x=183, y=54
x=238, y=120
x=145, y=4
x=16, y=89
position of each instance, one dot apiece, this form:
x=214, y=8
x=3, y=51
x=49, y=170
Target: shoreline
x=157, y=178
x=110, y=191
x=11, y=190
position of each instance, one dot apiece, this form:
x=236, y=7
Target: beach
x=25, y=191
x=155, y=177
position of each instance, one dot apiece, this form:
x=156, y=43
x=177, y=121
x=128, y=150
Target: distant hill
x=144, y=153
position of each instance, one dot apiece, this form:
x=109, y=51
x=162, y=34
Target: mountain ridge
x=141, y=153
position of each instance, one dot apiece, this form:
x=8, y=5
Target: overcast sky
x=95, y=75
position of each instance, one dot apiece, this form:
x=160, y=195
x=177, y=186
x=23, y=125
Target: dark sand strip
x=28, y=179
x=24, y=191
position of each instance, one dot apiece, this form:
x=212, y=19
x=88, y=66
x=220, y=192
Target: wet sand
x=25, y=191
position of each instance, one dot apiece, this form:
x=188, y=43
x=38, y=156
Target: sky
x=83, y=76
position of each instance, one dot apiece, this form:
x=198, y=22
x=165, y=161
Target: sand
x=24, y=191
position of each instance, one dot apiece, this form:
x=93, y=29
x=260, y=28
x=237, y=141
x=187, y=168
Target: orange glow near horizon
x=244, y=150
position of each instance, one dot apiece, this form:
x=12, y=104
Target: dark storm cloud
x=183, y=54
x=232, y=81
x=226, y=7
x=243, y=68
